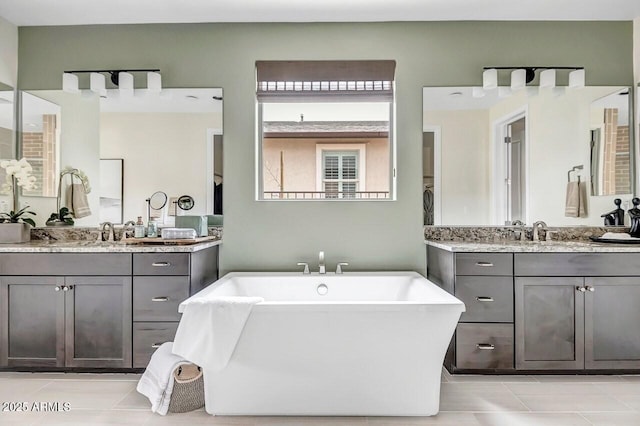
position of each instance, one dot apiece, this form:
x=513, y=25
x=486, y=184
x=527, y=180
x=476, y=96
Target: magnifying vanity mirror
x=497, y=160
x=152, y=135
x=155, y=204
x=186, y=202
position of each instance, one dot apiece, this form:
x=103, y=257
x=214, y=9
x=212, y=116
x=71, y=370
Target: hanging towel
x=157, y=381
x=210, y=328
x=77, y=201
x=576, y=205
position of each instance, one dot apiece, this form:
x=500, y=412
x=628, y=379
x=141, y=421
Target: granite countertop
x=47, y=246
x=534, y=247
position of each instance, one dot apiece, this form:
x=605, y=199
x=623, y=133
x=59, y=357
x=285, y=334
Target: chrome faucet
x=108, y=227
x=306, y=267
x=339, y=267
x=520, y=232
x=321, y=265
x=536, y=229
x=128, y=226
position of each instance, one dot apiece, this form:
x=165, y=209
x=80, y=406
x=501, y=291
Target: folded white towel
x=210, y=328
x=576, y=200
x=157, y=381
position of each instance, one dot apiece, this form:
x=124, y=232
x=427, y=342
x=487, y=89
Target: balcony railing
x=323, y=195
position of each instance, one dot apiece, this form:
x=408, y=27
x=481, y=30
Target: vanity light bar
x=121, y=78
x=521, y=76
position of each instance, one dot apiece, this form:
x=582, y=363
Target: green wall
x=369, y=235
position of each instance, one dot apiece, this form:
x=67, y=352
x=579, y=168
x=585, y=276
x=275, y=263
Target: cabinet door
x=32, y=325
x=98, y=322
x=612, y=316
x=549, y=323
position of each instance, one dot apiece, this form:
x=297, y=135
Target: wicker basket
x=188, y=389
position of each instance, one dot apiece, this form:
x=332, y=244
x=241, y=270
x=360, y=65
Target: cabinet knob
x=484, y=264
x=591, y=289
x=581, y=289
x=67, y=288
x=57, y=288
x=161, y=264
x=160, y=299
x=485, y=346
x=484, y=299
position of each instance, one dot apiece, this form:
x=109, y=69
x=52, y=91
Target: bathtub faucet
x=321, y=266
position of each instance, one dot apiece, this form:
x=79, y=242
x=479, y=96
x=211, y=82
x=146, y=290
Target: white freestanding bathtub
x=373, y=345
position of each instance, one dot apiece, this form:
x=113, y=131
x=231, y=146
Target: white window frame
x=360, y=148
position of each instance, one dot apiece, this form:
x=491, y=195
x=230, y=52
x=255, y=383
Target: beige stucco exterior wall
x=299, y=159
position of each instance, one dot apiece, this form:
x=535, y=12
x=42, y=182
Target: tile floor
x=111, y=399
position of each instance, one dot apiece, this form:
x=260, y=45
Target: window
x=325, y=130
x=340, y=174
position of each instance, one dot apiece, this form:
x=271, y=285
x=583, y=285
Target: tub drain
x=322, y=289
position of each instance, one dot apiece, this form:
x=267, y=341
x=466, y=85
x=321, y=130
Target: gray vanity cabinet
x=32, y=323
x=66, y=322
x=94, y=310
x=484, y=282
x=98, y=322
x=584, y=315
x=612, y=322
x=549, y=323
x=161, y=281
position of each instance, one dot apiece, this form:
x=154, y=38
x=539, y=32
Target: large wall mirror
x=128, y=148
x=507, y=158
x=7, y=138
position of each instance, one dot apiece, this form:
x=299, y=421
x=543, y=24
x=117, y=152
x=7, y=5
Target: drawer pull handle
x=160, y=299
x=484, y=264
x=485, y=346
x=156, y=345
x=161, y=264
x=484, y=299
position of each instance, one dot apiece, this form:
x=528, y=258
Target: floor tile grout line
x=518, y=398
x=586, y=419
x=122, y=399
x=615, y=397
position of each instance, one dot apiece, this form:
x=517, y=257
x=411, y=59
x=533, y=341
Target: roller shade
x=325, y=80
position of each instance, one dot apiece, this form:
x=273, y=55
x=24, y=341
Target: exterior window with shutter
x=340, y=174
x=315, y=119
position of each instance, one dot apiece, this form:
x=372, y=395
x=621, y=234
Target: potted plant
x=63, y=215
x=15, y=226
x=62, y=218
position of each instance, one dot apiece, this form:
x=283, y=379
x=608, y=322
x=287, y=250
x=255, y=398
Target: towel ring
x=73, y=173
x=580, y=167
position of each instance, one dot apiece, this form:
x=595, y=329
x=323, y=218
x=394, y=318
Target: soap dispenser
x=138, y=229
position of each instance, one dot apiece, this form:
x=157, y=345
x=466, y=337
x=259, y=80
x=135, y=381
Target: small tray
x=166, y=241
x=613, y=240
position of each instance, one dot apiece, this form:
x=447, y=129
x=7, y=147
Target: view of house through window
x=321, y=142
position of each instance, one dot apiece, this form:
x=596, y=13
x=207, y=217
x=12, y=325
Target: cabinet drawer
x=576, y=264
x=487, y=299
x=480, y=346
x=161, y=264
x=65, y=264
x=484, y=264
x=157, y=298
x=147, y=336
